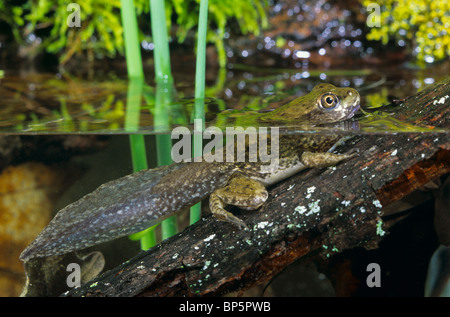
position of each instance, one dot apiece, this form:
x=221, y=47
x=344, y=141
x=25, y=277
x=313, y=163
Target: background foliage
x=422, y=24
x=101, y=32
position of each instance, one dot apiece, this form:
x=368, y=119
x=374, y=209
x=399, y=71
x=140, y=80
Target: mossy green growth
x=101, y=32
x=422, y=24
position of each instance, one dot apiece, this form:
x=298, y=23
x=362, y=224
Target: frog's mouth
x=353, y=111
x=353, y=107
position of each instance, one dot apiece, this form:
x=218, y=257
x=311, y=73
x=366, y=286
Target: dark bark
x=318, y=212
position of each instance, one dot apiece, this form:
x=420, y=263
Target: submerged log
x=317, y=212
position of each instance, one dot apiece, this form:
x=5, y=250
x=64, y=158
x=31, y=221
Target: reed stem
x=199, y=110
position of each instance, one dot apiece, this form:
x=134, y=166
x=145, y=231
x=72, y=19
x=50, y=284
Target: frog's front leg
x=241, y=191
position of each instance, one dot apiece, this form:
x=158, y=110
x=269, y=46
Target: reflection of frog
x=135, y=202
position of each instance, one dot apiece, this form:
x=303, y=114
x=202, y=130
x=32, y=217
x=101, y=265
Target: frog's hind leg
x=241, y=191
x=340, y=142
x=324, y=159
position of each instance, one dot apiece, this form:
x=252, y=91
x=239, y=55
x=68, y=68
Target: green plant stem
x=137, y=144
x=164, y=90
x=199, y=110
x=136, y=76
x=138, y=153
x=201, y=55
x=161, y=52
x=132, y=49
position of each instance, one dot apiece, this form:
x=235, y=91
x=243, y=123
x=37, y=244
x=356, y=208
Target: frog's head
x=324, y=104
x=332, y=104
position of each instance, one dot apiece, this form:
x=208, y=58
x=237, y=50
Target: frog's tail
x=115, y=209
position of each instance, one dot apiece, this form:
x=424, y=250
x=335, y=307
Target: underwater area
x=74, y=117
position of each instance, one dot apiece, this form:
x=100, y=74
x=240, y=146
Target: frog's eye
x=329, y=101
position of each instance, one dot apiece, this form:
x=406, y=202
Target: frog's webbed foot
x=326, y=159
x=241, y=191
x=321, y=160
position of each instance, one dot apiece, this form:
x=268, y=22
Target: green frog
x=326, y=104
x=143, y=199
